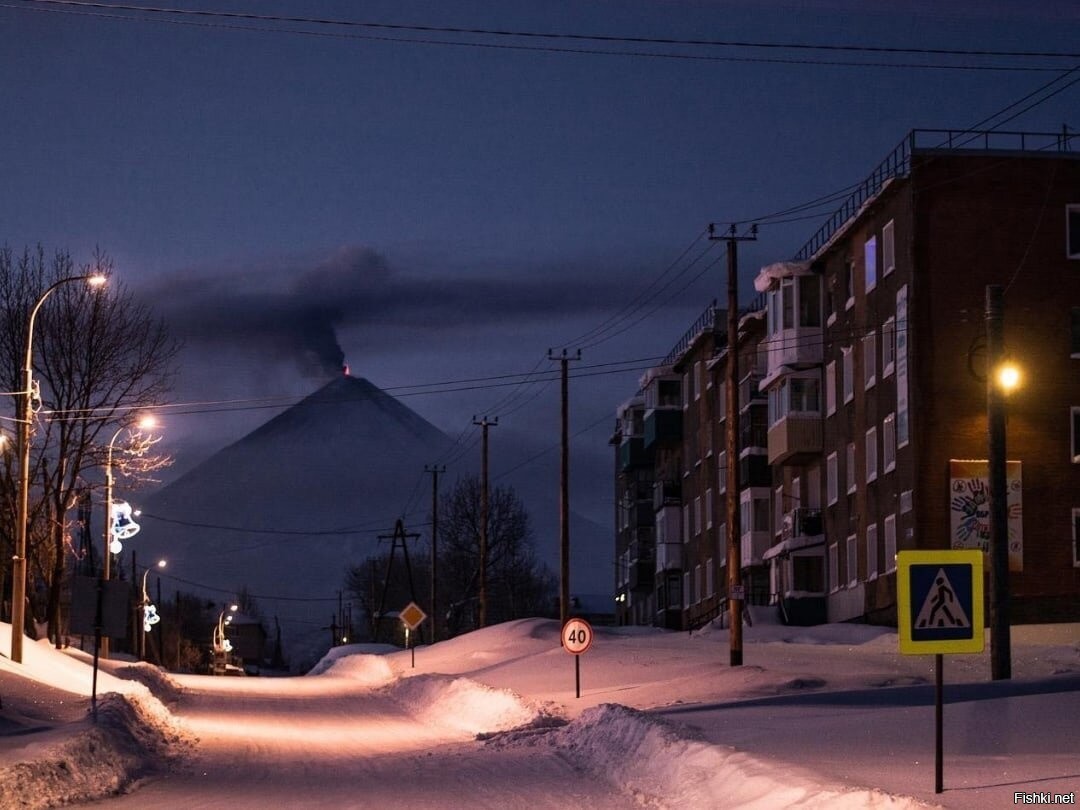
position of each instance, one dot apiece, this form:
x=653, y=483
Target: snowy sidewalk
x=999, y=738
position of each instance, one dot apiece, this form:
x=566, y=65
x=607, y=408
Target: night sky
x=433, y=206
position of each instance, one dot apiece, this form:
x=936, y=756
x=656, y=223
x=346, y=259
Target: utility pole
x=1000, y=642
x=398, y=537
x=434, y=469
x=735, y=589
x=564, y=488
x=484, y=425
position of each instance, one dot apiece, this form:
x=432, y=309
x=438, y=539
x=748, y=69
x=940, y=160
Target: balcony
x=668, y=525
x=642, y=573
x=795, y=438
x=663, y=426
x=666, y=493
x=669, y=557
x=632, y=454
x=754, y=471
x=802, y=523
x=753, y=546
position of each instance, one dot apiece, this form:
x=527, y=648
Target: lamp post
x=145, y=423
x=220, y=644
x=146, y=623
x=25, y=409
x=1002, y=378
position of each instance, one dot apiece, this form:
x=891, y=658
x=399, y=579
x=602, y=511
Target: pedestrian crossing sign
x=940, y=601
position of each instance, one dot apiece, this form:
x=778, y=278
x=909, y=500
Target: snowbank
x=665, y=766
x=132, y=738
x=462, y=704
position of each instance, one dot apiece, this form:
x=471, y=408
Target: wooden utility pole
x=735, y=589
x=434, y=469
x=564, y=488
x=1000, y=641
x=484, y=424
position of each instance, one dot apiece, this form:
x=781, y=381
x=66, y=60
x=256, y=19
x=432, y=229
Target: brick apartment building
x=871, y=356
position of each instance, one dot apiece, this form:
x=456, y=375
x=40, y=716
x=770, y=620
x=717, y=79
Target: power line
x=272, y=25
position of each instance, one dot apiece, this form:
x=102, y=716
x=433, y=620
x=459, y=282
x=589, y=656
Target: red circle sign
x=577, y=636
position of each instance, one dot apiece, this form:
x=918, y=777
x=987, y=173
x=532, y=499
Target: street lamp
x=149, y=611
x=146, y=423
x=222, y=645
x=1002, y=379
x=25, y=411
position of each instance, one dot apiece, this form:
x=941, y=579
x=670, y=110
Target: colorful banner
x=969, y=507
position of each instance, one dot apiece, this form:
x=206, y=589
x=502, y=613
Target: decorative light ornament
x=150, y=617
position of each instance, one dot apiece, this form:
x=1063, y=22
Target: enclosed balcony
x=795, y=438
x=663, y=426
x=632, y=454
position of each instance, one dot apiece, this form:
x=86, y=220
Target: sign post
x=940, y=610
x=412, y=617
x=577, y=637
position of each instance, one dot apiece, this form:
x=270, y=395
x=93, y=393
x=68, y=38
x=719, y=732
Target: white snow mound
x=664, y=766
x=463, y=704
x=368, y=670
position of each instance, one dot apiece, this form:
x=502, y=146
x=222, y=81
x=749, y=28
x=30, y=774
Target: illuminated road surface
x=329, y=743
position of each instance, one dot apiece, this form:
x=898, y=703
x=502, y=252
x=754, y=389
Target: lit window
x=870, y=256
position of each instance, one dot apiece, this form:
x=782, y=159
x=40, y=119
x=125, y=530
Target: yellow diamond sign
x=412, y=616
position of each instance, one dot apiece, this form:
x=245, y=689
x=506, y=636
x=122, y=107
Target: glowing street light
x=149, y=611
x=25, y=413
x=222, y=645
x=112, y=541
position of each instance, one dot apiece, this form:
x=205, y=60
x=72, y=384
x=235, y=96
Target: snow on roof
x=771, y=273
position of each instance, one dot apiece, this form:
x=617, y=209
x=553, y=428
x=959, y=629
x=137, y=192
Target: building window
x=869, y=344
x=852, y=561
x=1076, y=537
x=848, y=373
x=697, y=516
x=697, y=380
x=888, y=347
x=687, y=389
x=810, y=300
x=778, y=510
x=834, y=566
x=871, y=455
x=686, y=590
x=830, y=388
x=870, y=255
x=890, y=543
x=1075, y=443
x=721, y=473
x=888, y=249
x=708, y=508
x=723, y=544
x=851, y=468
x=1072, y=231
x=888, y=443
x=686, y=523
x=871, y=551
x=787, y=302
x=710, y=579
x=903, y=427
x=849, y=284
x=832, y=480
x=698, y=591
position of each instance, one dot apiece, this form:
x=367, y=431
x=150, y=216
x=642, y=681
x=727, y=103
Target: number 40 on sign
x=577, y=636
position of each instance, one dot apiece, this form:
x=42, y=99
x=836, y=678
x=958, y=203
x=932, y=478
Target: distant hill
x=288, y=508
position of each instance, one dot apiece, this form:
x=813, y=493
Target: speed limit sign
x=577, y=636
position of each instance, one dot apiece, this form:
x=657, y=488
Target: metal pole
x=939, y=666
x=106, y=562
x=1000, y=642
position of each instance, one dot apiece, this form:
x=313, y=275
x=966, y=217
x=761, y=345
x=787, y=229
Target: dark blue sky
x=452, y=211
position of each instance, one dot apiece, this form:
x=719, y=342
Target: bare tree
x=100, y=360
x=517, y=584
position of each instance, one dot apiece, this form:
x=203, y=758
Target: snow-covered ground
x=831, y=716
